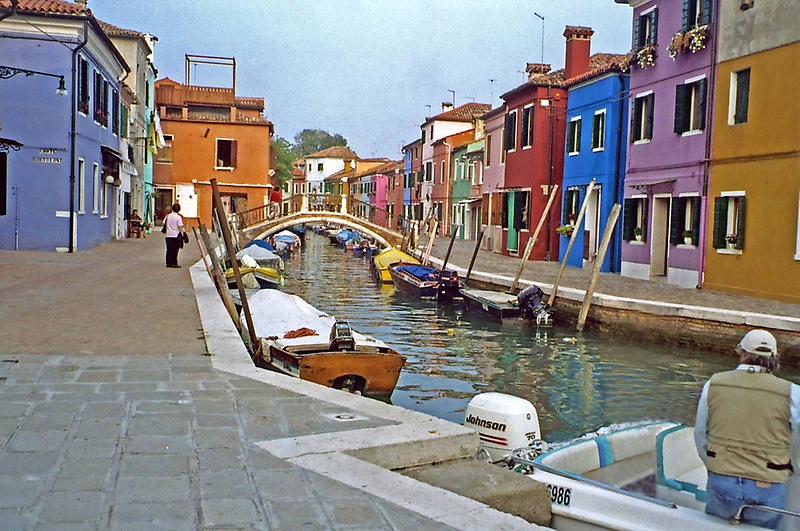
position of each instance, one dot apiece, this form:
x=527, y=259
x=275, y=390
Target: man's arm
x=701, y=424
x=794, y=407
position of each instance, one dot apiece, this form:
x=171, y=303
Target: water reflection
x=577, y=382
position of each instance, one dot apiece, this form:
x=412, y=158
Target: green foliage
x=309, y=141
x=284, y=156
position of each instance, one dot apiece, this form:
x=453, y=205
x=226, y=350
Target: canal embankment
x=651, y=310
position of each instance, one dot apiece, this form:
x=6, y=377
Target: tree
x=284, y=157
x=309, y=141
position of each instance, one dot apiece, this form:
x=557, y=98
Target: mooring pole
x=532, y=240
x=218, y=276
x=475, y=254
x=571, y=244
x=449, y=248
x=601, y=254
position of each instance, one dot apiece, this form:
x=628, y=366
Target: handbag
x=164, y=226
x=185, y=238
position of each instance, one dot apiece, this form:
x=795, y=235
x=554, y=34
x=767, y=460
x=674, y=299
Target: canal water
x=578, y=382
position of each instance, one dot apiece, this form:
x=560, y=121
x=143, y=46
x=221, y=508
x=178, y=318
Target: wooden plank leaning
x=431, y=237
x=450, y=247
x=571, y=244
x=226, y=235
x=475, y=254
x=218, y=276
x=611, y=223
x=532, y=240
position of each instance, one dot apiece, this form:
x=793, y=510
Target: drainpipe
x=447, y=194
x=549, y=166
x=707, y=159
x=620, y=143
x=74, y=103
x=13, y=10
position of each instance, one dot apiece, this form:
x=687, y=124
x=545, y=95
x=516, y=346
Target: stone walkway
x=609, y=283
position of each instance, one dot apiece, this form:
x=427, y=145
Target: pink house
x=493, y=179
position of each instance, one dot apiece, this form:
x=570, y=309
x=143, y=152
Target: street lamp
x=7, y=72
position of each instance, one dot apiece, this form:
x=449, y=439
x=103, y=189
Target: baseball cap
x=760, y=343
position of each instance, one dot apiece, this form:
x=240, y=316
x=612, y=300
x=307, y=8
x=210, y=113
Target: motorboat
x=262, y=256
x=291, y=239
x=381, y=262
x=425, y=282
x=346, y=235
x=254, y=276
x=299, y=340
x=644, y=475
x=529, y=304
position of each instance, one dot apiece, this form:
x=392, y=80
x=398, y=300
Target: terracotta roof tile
x=335, y=152
x=599, y=63
x=59, y=7
x=462, y=113
x=115, y=31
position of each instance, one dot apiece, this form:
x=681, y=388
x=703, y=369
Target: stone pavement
x=608, y=283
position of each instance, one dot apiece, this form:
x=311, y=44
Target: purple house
x=668, y=142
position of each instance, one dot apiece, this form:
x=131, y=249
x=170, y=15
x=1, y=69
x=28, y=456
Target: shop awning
x=6, y=144
x=111, y=162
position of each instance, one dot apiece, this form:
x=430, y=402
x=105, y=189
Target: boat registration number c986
x=559, y=495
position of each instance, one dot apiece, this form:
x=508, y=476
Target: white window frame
x=571, y=134
x=216, y=154
x=602, y=145
x=103, y=199
x=732, y=97
x=516, y=127
x=96, y=186
x=797, y=245
x=441, y=173
x=530, y=128
x=81, y=186
x=642, y=118
x=731, y=219
x=479, y=171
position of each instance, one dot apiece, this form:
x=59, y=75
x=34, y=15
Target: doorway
x=512, y=241
x=659, y=246
x=164, y=198
x=591, y=230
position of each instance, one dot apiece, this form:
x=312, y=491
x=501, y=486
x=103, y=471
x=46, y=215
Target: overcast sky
x=366, y=68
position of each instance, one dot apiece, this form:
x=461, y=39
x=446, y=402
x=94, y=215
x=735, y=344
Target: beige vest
x=749, y=426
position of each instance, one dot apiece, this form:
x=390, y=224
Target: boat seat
x=680, y=473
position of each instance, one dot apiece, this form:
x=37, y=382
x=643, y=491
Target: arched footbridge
x=347, y=211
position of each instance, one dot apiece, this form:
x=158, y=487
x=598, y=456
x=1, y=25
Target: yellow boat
x=266, y=277
x=382, y=261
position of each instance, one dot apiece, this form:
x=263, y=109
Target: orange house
x=210, y=133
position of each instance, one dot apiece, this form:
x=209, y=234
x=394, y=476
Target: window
x=320, y=165
x=441, y=173
x=571, y=206
x=511, y=131
x=3, y=184
x=103, y=199
x=696, y=13
x=574, y=136
x=599, y=130
x=644, y=30
x=83, y=86
x=642, y=118
x=729, y=227
x=309, y=167
x=527, y=126
x=502, y=146
x=488, y=150
x=123, y=124
x=96, y=189
x=685, y=221
x=634, y=219
x=423, y=135
x=81, y=186
x=115, y=112
x=105, y=103
x=226, y=154
x=429, y=171
x=165, y=154
x=739, y=97
x=430, y=133
x=479, y=171
x=98, y=98
x=147, y=94
x=471, y=172
x=690, y=106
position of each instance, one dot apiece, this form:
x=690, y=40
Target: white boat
x=639, y=476
x=263, y=257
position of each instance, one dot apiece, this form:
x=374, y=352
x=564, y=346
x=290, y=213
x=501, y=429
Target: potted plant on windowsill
x=676, y=45
x=731, y=240
x=687, y=237
x=637, y=233
x=697, y=38
x=566, y=230
x=646, y=57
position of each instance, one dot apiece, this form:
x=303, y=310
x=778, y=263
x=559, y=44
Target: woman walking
x=173, y=227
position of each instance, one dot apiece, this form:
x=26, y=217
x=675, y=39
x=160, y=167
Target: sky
x=367, y=69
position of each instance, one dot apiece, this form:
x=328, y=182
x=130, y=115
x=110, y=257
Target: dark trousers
x=173, y=246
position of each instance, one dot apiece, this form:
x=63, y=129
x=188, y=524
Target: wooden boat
x=529, y=304
x=265, y=277
x=425, y=282
x=381, y=262
x=300, y=340
x=262, y=257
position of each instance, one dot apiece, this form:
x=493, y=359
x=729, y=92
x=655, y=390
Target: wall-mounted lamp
x=7, y=72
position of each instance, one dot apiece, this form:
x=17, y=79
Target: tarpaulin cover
x=420, y=271
x=261, y=243
x=346, y=235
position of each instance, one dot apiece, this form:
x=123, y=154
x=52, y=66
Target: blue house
x=59, y=128
x=596, y=143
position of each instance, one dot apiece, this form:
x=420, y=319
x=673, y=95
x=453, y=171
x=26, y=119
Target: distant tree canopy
x=309, y=141
x=284, y=156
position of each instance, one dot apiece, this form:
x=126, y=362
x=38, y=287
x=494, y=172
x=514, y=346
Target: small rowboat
x=381, y=262
x=425, y=282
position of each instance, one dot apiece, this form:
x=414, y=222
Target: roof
x=335, y=152
x=463, y=113
x=115, y=31
x=412, y=143
x=601, y=63
x=494, y=112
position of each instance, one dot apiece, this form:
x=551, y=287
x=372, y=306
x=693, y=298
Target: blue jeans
x=727, y=493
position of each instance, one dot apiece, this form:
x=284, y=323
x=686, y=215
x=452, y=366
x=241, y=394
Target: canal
x=578, y=382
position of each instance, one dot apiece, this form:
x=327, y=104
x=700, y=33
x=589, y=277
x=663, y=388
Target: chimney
x=83, y=4
x=447, y=106
x=536, y=69
x=579, y=44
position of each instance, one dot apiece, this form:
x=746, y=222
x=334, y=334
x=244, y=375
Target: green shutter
x=740, y=224
x=567, y=199
x=696, y=212
x=653, y=26
x=742, y=96
x=720, y=221
x=681, y=122
x=705, y=16
x=578, y=136
x=645, y=204
x=629, y=219
x=651, y=103
x=702, y=87
x=676, y=220
x=637, y=39
x=634, y=133
x=685, y=20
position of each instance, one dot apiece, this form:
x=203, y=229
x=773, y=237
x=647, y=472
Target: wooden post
x=475, y=254
x=218, y=276
x=226, y=235
x=601, y=254
x=571, y=244
x=449, y=249
x=532, y=240
x=429, y=247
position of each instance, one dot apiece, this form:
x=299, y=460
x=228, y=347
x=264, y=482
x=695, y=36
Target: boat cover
x=261, y=243
x=345, y=235
x=262, y=256
x=275, y=313
x=393, y=256
x=288, y=237
x=498, y=298
x=420, y=271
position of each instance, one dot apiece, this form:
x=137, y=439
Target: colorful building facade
x=494, y=158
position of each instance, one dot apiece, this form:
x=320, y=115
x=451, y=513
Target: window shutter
x=705, y=16
x=644, y=219
x=233, y=153
x=578, y=136
x=702, y=87
x=629, y=219
x=685, y=20
x=740, y=224
x=720, y=221
x=653, y=26
x=567, y=199
x=742, y=95
x=676, y=219
x=637, y=41
x=681, y=122
x=651, y=100
x=696, y=212
x=570, y=137
x=634, y=132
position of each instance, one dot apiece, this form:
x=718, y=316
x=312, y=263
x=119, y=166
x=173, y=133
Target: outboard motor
x=342, y=336
x=531, y=302
x=504, y=423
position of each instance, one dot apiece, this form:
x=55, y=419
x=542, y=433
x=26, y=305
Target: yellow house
x=754, y=195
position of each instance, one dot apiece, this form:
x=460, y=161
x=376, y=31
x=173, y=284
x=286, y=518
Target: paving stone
x=47, y=422
x=144, y=376
x=156, y=516
x=27, y=463
x=80, y=507
x=261, y=460
x=15, y=519
x=211, y=395
x=168, y=396
x=216, y=437
x=56, y=408
x=128, y=387
x=154, y=465
x=150, y=406
x=290, y=515
x=401, y=519
x=224, y=407
x=158, y=425
x=82, y=475
x=216, y=421
x=88, y=448
x=97, y=428
x=220, y=458
x=7, y=427
x=85, y=397
x=36, y=441
x=103, y=410
x=190, y=361
x=98, y=376
x=229, y=512
x=18, y=491
x=21, y=397
x=282, y=484
x=225, y=483
x=152, y=488
x=328, y=488
x=159, y=444
x=354, y=512
x=65, y=526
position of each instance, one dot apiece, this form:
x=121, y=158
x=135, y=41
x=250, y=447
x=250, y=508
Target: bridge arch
x=385, y=237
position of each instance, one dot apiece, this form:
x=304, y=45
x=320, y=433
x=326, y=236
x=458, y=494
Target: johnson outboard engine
x=342, y=336
x=532, y=303
x=504, y=423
